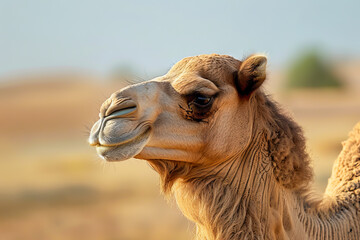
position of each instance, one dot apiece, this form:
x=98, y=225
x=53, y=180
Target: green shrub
x=311, y=71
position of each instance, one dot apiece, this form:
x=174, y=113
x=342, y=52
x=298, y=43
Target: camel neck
x=239, y=200
x=242, y=200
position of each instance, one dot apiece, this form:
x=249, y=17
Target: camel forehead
x=205, y=61
x=205, y=70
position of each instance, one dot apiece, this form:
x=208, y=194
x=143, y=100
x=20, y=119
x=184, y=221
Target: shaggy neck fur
x=262, y=192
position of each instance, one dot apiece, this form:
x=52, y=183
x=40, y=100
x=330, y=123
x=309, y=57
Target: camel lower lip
x=124, y=151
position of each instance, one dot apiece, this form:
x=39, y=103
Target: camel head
x=241, y=162
x=188, y=115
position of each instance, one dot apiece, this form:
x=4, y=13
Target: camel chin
x=125, y=150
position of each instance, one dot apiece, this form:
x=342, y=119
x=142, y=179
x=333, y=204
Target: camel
x=235, y=162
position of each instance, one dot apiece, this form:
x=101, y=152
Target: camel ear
x=251, y=74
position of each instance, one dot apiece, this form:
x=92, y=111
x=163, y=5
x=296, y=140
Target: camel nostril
x=121, y=109
x=122, y=112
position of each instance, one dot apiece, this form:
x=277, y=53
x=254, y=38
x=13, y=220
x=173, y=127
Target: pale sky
x=151, y=36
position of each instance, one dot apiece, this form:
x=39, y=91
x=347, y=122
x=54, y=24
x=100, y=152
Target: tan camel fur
x=234, y=161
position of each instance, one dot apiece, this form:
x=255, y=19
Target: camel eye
x=199, y=106
x=202, y=101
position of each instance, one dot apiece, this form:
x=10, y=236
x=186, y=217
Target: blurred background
x=59, y=60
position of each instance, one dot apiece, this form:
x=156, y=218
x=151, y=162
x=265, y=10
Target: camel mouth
x=125, y=149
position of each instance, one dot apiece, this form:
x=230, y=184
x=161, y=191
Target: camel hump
x=344, y=182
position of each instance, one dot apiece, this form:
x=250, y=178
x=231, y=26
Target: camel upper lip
x=119, y=152
x=126, y=137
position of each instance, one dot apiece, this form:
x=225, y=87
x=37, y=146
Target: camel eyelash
x=195, y=115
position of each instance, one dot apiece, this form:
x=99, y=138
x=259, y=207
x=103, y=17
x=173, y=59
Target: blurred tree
x=311, y=71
